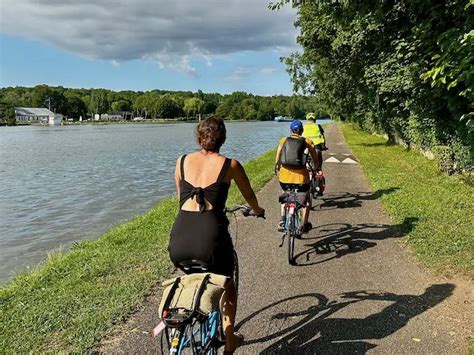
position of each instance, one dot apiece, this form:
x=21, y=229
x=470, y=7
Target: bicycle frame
x=293, y=210
x=202, y=336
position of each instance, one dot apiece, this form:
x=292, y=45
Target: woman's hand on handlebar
x=258, y=212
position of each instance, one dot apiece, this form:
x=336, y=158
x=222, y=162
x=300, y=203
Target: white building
x=37, y=115
x=55, y=120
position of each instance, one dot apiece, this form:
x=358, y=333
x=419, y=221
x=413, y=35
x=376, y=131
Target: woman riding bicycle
x=200, y=231
x=290, y=158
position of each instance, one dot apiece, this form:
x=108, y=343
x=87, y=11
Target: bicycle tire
x=291, y=248
x=236, y=272
x=291, y=233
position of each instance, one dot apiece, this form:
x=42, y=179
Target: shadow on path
x=351, y=200
x=341, y=239
x=315, y=329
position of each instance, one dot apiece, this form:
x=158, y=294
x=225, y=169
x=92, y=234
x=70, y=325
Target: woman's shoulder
x=234, y=163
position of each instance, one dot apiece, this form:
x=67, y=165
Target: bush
x=445, y=157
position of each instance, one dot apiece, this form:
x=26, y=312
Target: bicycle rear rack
x=177, y=317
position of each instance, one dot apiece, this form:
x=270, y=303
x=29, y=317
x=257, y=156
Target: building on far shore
x=25, y=115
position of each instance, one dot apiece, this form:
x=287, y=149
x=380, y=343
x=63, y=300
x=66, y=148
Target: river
x=64, y=184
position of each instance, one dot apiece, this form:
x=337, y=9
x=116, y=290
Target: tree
x=75, y=107
x=7, y=114
x=48, y=97
x=237, y=112
x=166, y=107
x=121, y=105
x=193, y=106
x=98, y=102
x=265, y=112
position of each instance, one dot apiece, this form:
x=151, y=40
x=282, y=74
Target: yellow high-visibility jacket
x=311, y=130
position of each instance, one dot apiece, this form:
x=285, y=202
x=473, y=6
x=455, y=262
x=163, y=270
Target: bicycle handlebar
x=246, y=211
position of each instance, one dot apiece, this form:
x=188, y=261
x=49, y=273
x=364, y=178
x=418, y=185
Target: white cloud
x=269, y=70
x=171, y=32
x=239, y=73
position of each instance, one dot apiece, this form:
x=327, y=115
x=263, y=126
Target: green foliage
x=121, y=105
x=445, y=157
x=166, y=107
x=7, y=114
x=404, y=69
x=193, y=106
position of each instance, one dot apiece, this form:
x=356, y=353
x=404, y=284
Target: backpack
x=292, y=152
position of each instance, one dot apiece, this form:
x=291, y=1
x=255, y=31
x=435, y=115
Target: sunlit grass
x=73, y=298
x=443, y=237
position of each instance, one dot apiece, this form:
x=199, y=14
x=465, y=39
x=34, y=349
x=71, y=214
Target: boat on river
x=283, y=119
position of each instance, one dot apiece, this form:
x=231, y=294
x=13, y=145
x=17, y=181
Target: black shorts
x=298, y=187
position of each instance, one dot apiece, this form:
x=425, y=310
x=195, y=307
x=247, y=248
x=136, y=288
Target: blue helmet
x=296, y=125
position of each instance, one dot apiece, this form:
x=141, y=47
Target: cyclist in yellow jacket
x=315, y=132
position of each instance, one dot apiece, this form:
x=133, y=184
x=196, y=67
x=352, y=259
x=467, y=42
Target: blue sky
x=216, y=46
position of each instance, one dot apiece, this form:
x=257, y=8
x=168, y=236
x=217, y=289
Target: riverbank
x=442, y=206
x=70, y=301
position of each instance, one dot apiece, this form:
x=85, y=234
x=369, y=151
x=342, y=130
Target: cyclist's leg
x=228, y=310
x=281, y=224
x=319, y=151
x=306, y=210
x=224, y=265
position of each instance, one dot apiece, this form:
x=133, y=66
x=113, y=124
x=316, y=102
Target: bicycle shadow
x=343, y=239
x=351, y=200
x=317, y=330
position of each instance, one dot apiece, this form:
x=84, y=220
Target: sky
x=216, y=46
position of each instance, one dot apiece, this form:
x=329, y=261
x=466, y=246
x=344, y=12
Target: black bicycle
x=189, y=331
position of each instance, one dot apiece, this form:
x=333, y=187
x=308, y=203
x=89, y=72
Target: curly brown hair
x=211, y=133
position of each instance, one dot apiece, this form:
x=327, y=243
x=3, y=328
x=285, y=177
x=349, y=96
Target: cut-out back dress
x=203, y=235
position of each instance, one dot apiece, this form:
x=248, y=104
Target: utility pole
x=48, y=100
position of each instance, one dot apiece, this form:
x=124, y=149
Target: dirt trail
x=356, y=287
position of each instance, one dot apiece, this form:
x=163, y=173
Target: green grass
x=443, y=236
x=74, y=298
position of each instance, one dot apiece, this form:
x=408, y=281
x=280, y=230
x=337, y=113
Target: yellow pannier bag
x=201, y=292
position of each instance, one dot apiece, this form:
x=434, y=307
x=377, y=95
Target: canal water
x=64, y=184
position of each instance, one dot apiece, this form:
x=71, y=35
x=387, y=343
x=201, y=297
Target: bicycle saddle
x=194, y=266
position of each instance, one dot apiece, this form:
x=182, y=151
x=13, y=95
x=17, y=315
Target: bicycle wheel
x=291, y=248
x=291, y=239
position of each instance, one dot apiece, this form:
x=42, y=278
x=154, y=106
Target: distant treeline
x=85, y=103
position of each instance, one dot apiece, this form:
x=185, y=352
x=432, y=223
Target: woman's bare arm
x=278, y=152
x=243, y=183
x=177, y=175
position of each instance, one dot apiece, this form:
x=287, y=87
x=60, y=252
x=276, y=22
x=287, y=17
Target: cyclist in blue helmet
x=293, y=174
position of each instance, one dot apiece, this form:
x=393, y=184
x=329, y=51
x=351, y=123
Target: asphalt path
x=356, y=287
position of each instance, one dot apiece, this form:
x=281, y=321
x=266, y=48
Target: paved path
x=356, y=287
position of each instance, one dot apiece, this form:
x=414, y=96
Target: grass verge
x=70, y=301
x=443, y=205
